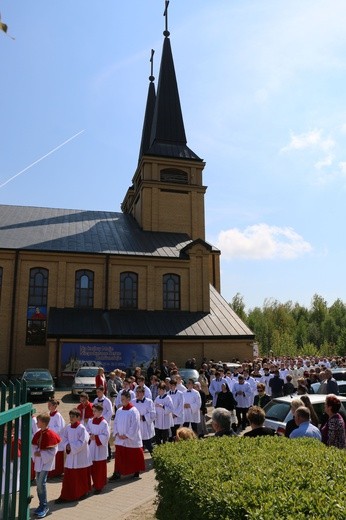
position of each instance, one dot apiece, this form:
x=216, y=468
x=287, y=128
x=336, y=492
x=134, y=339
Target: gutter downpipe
x=107, y=281
x=13, y=312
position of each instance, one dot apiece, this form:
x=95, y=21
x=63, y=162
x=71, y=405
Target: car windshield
x=34, y=376
x=87, y=372
x=340, y=376
x=188, y=373
x=277, y=411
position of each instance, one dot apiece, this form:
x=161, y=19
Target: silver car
x=278, y=411
x=84, y=381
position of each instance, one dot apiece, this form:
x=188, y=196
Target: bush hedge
x=263, y=478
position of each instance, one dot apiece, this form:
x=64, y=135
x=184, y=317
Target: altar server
x=146, y=409
x=57, y=424
x=164, y=415
x=178, y=407
x=192, y=405
x=75, y=439
x=129, y=457
x=44, y=448
x=98, y=430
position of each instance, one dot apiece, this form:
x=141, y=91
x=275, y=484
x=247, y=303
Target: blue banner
x=125, y=356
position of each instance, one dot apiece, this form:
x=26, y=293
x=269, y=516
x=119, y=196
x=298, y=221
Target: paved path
x=118, y=499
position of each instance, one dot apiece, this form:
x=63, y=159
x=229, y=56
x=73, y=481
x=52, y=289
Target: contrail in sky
x=41, y=158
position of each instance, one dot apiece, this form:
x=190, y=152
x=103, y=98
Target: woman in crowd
x=100, y=379
x=225, y=399
x=261, y=399
x=256, y=418
x=333, y=432
x=203, y=380
x=185, y=434
x=57, y=424
x=306, y=400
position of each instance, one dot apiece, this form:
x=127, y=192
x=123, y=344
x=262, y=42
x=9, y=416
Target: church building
x=120, y=289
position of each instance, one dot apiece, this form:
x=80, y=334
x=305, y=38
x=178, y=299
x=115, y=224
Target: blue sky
x=262, y=88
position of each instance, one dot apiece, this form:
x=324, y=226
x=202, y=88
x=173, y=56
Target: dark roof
x=148, y=119
x=82, y=231
x=221, y=322
x=168, y=137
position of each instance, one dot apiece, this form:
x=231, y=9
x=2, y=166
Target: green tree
x=238, y=305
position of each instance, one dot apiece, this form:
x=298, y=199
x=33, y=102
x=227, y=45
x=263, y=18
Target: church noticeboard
x=107, y=355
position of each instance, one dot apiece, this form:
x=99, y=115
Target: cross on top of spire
x=152, y=77
x=166, y=32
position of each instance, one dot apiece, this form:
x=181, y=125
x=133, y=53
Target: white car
x=84, y=381
x=278, y=411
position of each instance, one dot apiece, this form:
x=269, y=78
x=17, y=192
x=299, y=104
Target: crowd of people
x=139, y=410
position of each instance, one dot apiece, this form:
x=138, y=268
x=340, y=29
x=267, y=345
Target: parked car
x=339, y=374
x=39, y=383
x=84, y=381
x=278, y=411
x=341, y=385
x=188, y=373
x=230, y=366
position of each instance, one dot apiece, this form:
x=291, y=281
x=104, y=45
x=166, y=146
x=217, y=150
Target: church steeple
x=149, y=111
x=168, y=138
x=167, y=192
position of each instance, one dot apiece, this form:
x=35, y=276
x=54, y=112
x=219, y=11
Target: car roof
x=314, y=398
x=36, y=370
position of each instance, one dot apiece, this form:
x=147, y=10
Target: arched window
x=84, y=288
x=38, y=287
x=128, y=290
x=171, y=291
x=37, y=307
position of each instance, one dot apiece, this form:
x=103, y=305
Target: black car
x=39, y=383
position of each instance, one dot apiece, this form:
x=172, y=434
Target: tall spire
x=149, y=111
x=168, y=137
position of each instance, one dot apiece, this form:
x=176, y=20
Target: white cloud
x=327, y=177
x=342, y=167
x=323, y=163
x=261, y=241
x=312, y=139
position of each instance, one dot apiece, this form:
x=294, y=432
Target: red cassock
x=129, y=460
x=129, y=457
x=101, y=381
x=77, y=482
x=57, y=424
x=99, y=474
x=98, y=451
x=59, y=465
x=45, y=439
x=86, y=412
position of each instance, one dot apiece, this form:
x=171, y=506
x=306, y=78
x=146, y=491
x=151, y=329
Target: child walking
x=44, y=448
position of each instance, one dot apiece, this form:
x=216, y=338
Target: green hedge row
x=264, y=478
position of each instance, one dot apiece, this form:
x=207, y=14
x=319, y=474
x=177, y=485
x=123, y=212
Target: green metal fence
x=15, y=451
